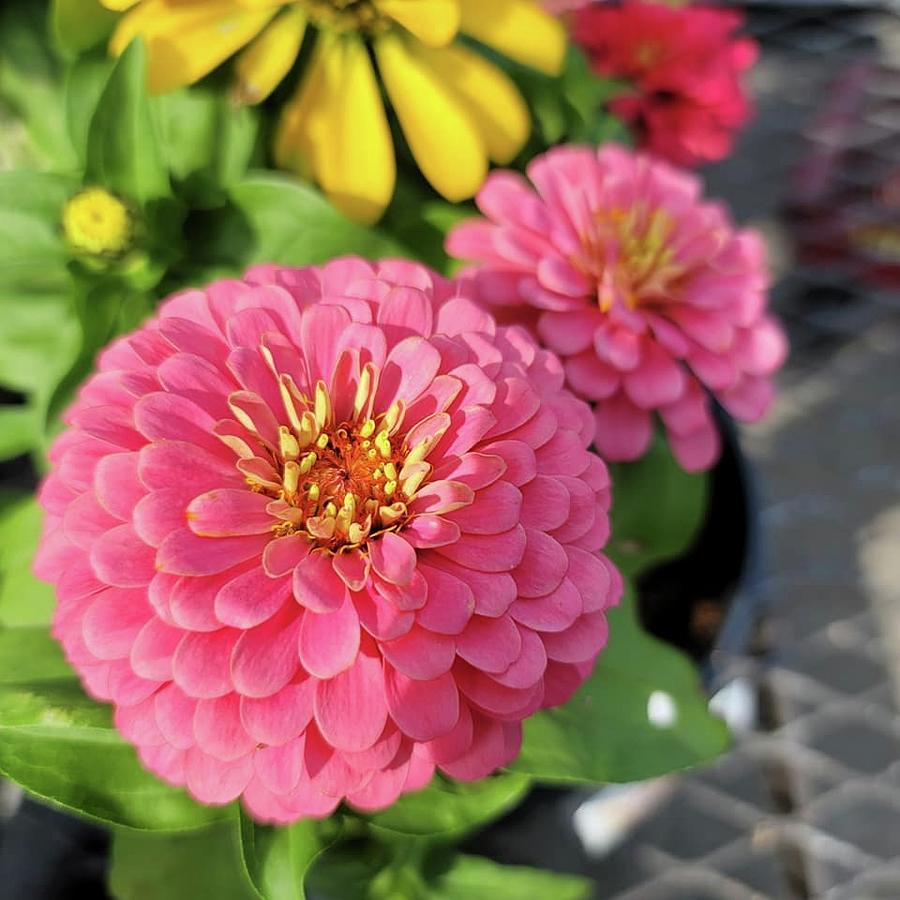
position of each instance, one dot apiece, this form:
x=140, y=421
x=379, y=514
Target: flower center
x=630, y=254
x=337, y=480
x=347, y=15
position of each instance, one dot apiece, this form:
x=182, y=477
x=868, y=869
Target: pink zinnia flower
x=318, y=532
x=684, y=65
x=646, y=291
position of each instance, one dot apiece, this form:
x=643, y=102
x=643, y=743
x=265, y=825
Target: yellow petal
x=519, y=29
x=264, y=63
x=300, y=131
x=337, y=130
x=441, y=133
x=118, y=5
x=433, y=22
x=186, y=41
x=489, y=96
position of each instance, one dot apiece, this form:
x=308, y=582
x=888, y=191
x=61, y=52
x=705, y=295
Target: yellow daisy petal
x=489, y=95
x=519, y=29
x=187, y=41
x=118, y=5
x=441, y=133
x=264, y=63
x=337, y=131
x=433, y=22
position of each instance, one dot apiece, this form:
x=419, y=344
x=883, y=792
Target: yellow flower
x=97, y=223
x=457, y=110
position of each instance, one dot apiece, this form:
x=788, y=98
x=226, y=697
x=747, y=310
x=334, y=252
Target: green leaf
x=451, y=809
x=30, y=78
x=420, y=221
x=62, y=747
x=657, y=511
x=352, y=871
x=38, y=335
x=275, y=218
x=605, y=733
x=123, y=152
x=100, y=312
x=208, y=141
x=194, y=866
x=86, y=79
x=19, y=430
x=465, y=877
x=30, y=655
x=277, y=859
x=77, y=26
x=23, y=599
x=31, y=205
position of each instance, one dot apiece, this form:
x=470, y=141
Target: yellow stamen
x=287, y=444
x=291, y=477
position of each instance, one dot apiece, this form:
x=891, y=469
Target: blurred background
x=808, y=804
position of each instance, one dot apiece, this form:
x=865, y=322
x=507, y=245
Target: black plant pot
x=705, y=602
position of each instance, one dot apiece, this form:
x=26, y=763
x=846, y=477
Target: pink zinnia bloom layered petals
x=319, y=532
x=649, y=295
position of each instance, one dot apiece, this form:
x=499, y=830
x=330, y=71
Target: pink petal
x=392, y=558
x=490, y=644
x=177, y=464
x=450, y=602
x=580, y=642
x=329, y=642
x=163, y=416
x=122, y=559
x=229, y=513
x=201, y=665
x=283, y=554
x=623, y=431
x=265, y=657
x=381, y=618
x=281, y=716
x=317, y=585
x=251, y=598
x=543, y=566
x=218, y=728
x=420, y=654
x=280, y=768
x=545, y=503
x=431, y=531
x=451, y=745
x=530, y=665
x=113, y=621
x=117, y=485
x=185, y=553
x=658, y=380
x=152, y=651
x=555, y=611
x=423, y=710
x=496, y=508
x=174, y=712
x=352, y=568
x=212, y=781
x=350, y=708
x=488, y=553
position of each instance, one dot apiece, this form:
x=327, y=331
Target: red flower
x=685, y=66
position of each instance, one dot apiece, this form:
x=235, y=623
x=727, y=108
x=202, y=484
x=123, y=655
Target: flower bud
x=97, y=223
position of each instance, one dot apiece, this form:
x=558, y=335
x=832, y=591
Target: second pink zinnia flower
x=322, y=531
x=649, y=294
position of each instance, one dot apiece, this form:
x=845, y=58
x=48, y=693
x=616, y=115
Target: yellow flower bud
x=97, y=223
